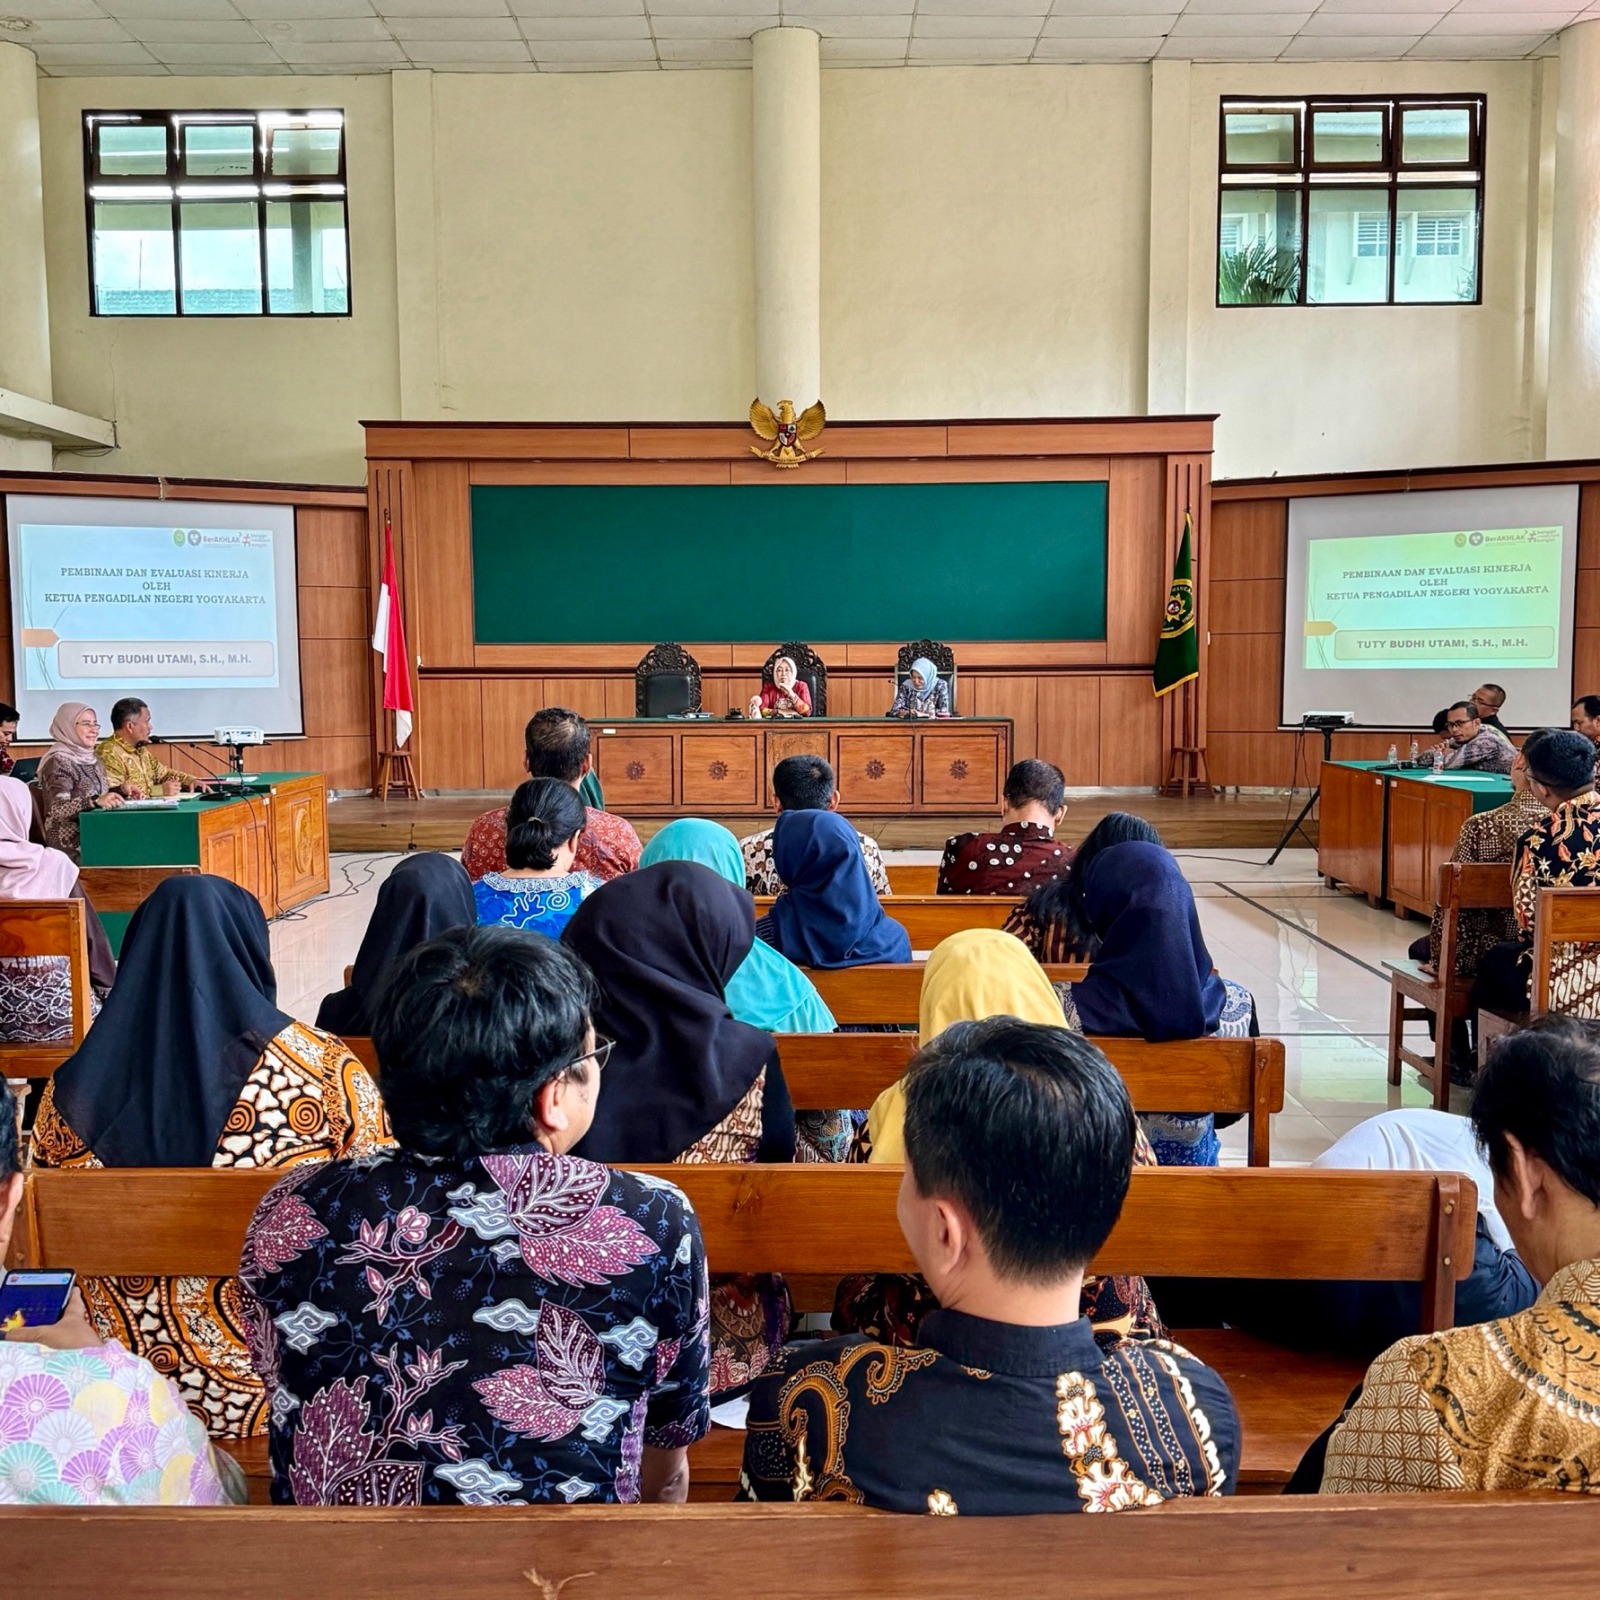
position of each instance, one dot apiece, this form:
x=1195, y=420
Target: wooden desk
x=272, y=841
x=656, y=768
x=1386, y=833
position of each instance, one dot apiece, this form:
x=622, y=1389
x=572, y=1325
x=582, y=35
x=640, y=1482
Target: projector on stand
x=234, y=739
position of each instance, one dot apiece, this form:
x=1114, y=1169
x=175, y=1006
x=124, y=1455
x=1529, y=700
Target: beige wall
x=995, y=241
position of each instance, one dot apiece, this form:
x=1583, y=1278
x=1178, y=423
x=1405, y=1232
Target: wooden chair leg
x=1443, y=1024
x=1397, y=1029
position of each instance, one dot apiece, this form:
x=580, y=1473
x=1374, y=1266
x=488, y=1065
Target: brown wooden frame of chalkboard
x=1087, y=704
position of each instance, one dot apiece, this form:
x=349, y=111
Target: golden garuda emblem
x=787, y=432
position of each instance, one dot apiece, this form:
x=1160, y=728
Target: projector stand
x=1298, y=825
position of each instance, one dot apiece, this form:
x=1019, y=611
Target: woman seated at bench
x=192, y=1064
x=687, y=1082
x=83, y=1422
x=477, y=1317
x=538, y=890
x=828, y=914
x=1008, y=1404
x=979, y=973
x=427, y=894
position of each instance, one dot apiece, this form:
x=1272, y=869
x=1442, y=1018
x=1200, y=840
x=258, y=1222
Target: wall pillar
x=787, y=106
x=24, y=303
x=1573, y=427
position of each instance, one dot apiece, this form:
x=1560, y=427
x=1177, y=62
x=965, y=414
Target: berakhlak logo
x=1476, y=538
x=194, y=536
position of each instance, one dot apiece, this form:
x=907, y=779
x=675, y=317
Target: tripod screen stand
x=1298, y=825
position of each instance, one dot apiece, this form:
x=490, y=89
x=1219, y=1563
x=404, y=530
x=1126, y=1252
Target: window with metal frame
x=217, y=213
x=1350, y=200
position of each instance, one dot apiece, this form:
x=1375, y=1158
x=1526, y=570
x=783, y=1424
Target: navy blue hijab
x=828, y=914
x=196, y=1004
x=1151, y=977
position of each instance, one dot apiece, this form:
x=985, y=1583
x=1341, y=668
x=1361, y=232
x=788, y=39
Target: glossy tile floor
x=1311, y=956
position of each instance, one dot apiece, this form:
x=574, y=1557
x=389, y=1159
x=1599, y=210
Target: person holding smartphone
x=86, y=1423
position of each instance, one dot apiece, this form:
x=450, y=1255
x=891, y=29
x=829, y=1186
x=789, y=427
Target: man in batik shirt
x=1024, y=852
x=1471, y=747
x=802, y=783
x=1006, y=1405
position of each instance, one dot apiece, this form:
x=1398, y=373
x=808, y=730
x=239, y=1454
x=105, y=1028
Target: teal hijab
x=768, y=991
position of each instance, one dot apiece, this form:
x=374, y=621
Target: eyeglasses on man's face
x=1460, y=722
x=599, y=1055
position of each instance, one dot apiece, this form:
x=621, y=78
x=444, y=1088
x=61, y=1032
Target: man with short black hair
x=1586, y=717
x=1023, y=853
x=130, y=764
x=802, y=783
x=1471, y=747
x=476, y=1316
x=1487, y=700
x=1007, y=1405
x=555, y=744
x=1512, y=1404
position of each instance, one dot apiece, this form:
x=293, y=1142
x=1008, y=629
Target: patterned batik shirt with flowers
x=1562, y=852
x=510, y=1329
x=989, y=1418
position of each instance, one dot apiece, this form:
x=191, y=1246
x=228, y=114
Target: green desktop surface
x=1488, y=789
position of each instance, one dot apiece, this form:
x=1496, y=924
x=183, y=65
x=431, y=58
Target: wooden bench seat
x=817, y=1223
x=891, y=992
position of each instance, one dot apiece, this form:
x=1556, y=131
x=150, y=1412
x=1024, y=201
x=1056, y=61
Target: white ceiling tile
x=988, y=8
x=94, y=69
x=1368, y=24
x=1540, y=22
x=1272, y=12
x=1264, y=47
x=1349, y=47
x=192, y=30
x=1578, y=6
x=108, y=55
x=44, y=10
x=707, y=8
x=1219, y=25
x=1551, y=46
x=341, y=30
x=566, y=8
x=79, y=30
x=871, y=27
x=442, y=8
x=219, y=69
x=373, y=54
x=969, y=27
x=1134, y=26
x=977, y=52
x=599, y=66
x=728, y=50
x=731, y=26
x=579, y=27
x=304, y=10
x=856, y=49
x=1097, y=47
x=570, y=50
x=860, y=8
x=215, y=55
x=1475, y=46
x=430, y=52
x=1426, y=10
x=182, y=10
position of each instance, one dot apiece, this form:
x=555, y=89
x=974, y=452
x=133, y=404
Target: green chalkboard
x=607, y=564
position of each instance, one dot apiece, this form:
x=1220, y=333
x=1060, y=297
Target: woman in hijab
x=828, y=914
x=768, y=991
x=70, y=778
x=785, y=696
x=427, y=893
x=685, y=1080
x=1151, y=978
x=192, y=1064
x=1052, y=921
x=36, y=991
x=922, y=692
x=979, y=973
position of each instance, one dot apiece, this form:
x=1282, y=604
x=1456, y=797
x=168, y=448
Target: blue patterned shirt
x=510, y=1329
x=543, y=905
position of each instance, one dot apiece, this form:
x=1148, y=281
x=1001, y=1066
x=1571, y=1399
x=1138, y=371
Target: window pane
x=307, y=256
x=305, y=152
x=1349, y=138
x=1260, y=138
x=1436, y=135
x=1438, y=255
x=1258, y=247
x=132, y=152
x=133, y=273
x=1347, y=247
x=217, y=150
x=221, y=256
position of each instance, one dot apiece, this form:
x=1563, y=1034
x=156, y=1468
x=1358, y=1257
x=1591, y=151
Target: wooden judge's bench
x=652, y=768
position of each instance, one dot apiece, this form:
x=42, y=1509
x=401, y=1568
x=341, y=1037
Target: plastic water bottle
x=1414, y=748
x=1394, y=754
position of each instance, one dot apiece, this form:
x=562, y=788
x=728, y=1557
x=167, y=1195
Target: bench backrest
x=821, y=1220
x=47, y=928
x=912, y=880
x=891, y=992
x=1467, y=886
x=1566, y=917
x=930, y=919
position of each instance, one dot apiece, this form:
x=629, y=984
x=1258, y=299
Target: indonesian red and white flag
x=389, y=640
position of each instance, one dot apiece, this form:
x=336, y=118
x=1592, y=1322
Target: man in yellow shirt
x=130, y=763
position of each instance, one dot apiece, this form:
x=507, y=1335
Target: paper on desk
x=732, y=1413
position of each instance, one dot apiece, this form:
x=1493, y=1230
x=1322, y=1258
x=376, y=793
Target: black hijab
x=158, y=1076
x=662, y=943
x=427, y=894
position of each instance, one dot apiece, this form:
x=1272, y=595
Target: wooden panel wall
x=1086, y=704
x=1249, y=530
x=332, y=556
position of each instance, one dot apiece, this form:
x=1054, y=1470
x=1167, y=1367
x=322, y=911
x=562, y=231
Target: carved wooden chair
x=666, y=682
x=809, y=668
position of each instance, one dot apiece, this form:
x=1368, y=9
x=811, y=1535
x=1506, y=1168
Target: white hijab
x=28, y=871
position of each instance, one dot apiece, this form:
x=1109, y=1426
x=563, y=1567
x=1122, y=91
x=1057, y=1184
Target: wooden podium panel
x=724, y=768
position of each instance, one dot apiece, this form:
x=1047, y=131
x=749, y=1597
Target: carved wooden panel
x=961, y=770
x=721, y=770
x=299, y=815
x=635, y=769
x=875, y=769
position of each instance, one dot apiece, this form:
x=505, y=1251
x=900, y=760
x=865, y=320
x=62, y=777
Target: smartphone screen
x=39, y=1298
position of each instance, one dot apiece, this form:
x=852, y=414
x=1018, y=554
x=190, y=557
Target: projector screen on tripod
x=1395, y=605
x=190, y=605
